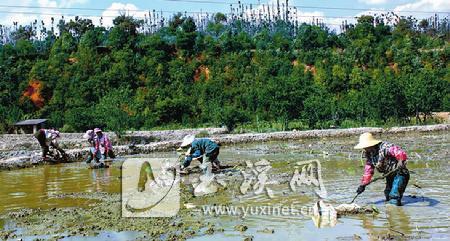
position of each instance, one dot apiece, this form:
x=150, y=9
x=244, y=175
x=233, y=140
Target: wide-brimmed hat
x=187, y=140
x=88, y=134
x=97, y=130
x=366, y=140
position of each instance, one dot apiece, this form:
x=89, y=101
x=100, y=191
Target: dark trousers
x=212, y=157
x=40, y=136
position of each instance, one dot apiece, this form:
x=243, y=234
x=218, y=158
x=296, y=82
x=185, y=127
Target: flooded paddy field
x=71, y=202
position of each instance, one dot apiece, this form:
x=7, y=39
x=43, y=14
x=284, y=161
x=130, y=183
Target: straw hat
x=366, y=140
x=187, y=140
x=97, y=130
x=88, y=134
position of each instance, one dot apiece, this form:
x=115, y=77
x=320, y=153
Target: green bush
x=202, y=134
x=231, y=116
x=350, y=124
x=67, y=128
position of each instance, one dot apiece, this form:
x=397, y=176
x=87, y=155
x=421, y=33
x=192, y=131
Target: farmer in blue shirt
x=198, y=148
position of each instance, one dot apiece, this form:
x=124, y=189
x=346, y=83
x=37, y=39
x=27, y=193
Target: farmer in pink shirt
x=384, y=157
x=102, y=145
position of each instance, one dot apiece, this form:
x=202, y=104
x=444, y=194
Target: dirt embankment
x=18, y=151
x=23, y=142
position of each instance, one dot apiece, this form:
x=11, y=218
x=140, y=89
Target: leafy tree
x=115, y=110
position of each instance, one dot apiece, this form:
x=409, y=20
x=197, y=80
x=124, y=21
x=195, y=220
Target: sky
x=26, y=11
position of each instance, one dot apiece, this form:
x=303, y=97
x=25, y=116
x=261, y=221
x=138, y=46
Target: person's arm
x=106, y=144
x=368, y=173
x=196, y=154
x=55, y=144
x=96, y=145
x=110, y=147
x=367, y=176
x=188, y=159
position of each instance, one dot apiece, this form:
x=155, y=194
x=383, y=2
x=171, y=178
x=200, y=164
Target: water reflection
x=101, y=178
x=398, y=219
x=40, y=187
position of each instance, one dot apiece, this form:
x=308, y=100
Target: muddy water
x=39, y=187
x=423, y=216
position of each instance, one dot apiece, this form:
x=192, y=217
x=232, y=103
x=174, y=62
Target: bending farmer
x=198, y=148
x=102, y=145
x=47, y=138
x=90, y=137
x=385, y=157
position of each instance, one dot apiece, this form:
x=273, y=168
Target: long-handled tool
x=374, y=180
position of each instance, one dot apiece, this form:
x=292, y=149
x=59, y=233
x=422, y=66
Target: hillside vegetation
x=232, y=73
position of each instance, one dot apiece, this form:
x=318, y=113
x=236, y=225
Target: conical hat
x=187, y=140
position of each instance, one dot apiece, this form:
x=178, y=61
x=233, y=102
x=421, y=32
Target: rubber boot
x=394, y=195
x=89, y=159
x=396, y=201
